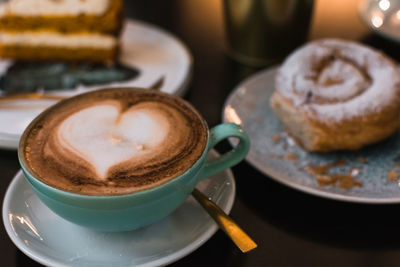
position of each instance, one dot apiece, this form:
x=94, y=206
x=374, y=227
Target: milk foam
x=114, y=141
x=104, y=136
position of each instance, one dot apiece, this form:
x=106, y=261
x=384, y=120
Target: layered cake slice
x=72, y=30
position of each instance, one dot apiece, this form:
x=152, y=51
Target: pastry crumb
x=393, y=176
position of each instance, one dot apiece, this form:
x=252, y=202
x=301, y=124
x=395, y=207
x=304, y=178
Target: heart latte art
x=105, y=137
x=115, y=142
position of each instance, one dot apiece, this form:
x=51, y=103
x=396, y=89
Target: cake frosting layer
x=53, y=8
x=54, y=39
x=66, y=16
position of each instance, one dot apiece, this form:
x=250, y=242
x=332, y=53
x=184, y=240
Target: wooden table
x=291, y=227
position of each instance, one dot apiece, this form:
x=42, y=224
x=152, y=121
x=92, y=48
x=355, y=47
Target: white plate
x=382, y=16
x=50, y=240
x=155, y=52
x=248, y=105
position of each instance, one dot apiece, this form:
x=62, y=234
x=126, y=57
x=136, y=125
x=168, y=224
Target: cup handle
x=230, y=158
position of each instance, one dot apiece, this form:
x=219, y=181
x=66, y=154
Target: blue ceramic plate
x=367, y=176
x=53, y=241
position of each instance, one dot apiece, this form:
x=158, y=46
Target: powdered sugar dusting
x=335, y=79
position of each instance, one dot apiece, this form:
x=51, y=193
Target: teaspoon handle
x=238, y=236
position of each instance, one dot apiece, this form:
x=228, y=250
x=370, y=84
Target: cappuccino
x=114, y=141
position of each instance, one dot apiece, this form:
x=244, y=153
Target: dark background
x=291, y=228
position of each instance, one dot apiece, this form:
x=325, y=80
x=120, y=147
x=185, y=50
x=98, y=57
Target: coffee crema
x=114, y=141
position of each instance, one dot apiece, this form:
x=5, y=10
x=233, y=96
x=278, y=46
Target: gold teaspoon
x=238, y=236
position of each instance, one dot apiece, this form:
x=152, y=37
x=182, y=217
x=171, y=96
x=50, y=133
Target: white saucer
x=153, y=51
x=248, y=105
x=382, y=16
x=52, y=241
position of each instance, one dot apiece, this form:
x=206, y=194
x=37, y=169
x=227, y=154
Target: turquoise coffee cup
x=135, y=210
